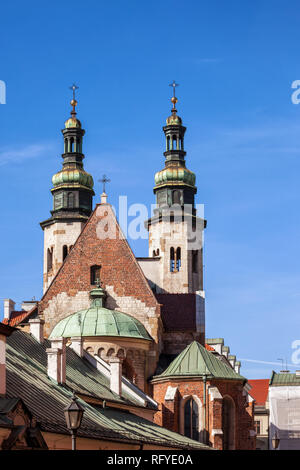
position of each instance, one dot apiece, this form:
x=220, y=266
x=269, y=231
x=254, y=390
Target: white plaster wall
x=57, y=235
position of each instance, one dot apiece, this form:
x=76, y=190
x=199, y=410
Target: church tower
x=175, y=263
x=72, y=199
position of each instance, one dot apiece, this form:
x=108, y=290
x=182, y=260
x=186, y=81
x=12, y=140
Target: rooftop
x=196, y=361
x=285, y=378
x=27, y=379
x=259, y=390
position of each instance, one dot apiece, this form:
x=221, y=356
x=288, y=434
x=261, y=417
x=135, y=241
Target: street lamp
x=275, y=441
x=73, y=415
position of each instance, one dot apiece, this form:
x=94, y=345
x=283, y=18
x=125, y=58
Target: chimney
x=232, y=359
x=5, y=331
x=116, y=375
x=225, y=351
x=77, y=345
x=56, y=360
x=9, y=306
x=216, y=343
x=37, y=329
x=237, y=367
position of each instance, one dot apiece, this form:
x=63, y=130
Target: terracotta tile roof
x=259, y=390
x=19, y=316
x=208, y=347
x=178, y=311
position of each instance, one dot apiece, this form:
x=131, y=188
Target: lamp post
x=275, y=441
x=73, y=415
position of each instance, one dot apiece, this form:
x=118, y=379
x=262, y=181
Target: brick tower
x=72, y=200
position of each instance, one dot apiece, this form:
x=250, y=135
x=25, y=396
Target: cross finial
x=174, y=85
x=174, y=99
x=104, y=180
x=74, y=88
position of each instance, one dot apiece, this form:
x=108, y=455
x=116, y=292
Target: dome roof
x=175, y=174
x=73, y=176
x=174, y=120
x=72, y=122
x=100, y=321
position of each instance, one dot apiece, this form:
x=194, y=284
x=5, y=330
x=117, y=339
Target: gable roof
x=27, y=378
x=259, y=390
x=196, y=361
x=19, y=316
x=178, y=311
x=119, y=267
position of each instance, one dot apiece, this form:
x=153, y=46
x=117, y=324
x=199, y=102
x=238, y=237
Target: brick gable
x=122, y=277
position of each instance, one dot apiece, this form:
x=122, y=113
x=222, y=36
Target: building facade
x=142, y=316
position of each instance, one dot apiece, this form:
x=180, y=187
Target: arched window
x=70, y=200
x=176, y=196
x=172, y=259
x=178, y=259
x=95, y=274
x=228, y=423
x=71, y=144
x=191, y=419
x=181, y=143
x=65, y=252
x=49, y=259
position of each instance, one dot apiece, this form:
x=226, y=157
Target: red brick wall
x=168, y=415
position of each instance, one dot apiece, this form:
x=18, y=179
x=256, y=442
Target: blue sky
x=235, y=63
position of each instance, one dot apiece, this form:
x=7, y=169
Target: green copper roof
x=284, y=378
x=195, y=360
x=175, y=174
x=100, y=321
x=68, y=176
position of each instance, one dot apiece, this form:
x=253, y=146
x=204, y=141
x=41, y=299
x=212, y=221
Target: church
x=138, y=321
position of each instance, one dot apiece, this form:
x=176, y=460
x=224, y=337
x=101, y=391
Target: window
x=70, y=200
x=49, y=259
x=65, y=252
x=178, y=259
x=176, y=199
x=174, y=142
x=191, y=419
x=95, y=275
x=257, y=427
x=175, y=260
x=168, y=142
x=172, y=260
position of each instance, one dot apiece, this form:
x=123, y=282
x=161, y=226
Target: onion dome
x=176, y=174
x=73, y=176
x=100, y=321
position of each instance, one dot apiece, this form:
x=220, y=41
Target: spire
x=174, y=100
x=175, y=184
x=72, y=186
